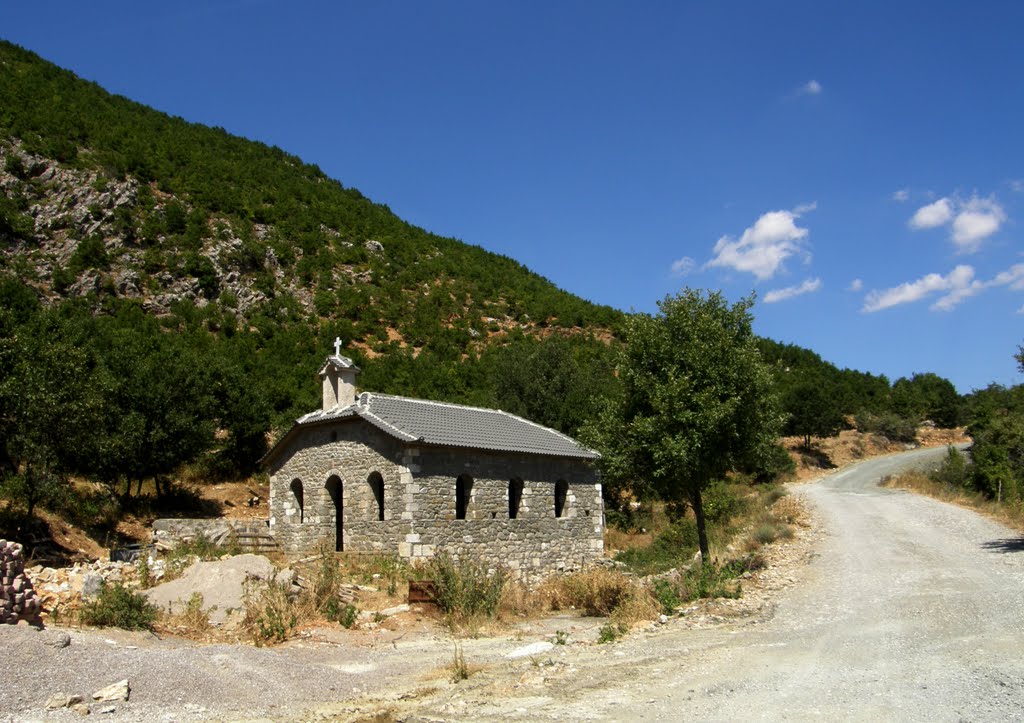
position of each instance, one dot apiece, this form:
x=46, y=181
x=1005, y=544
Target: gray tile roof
x=454, y=425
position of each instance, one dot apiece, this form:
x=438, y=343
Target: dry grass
x=1008, y=513
x=601, y=592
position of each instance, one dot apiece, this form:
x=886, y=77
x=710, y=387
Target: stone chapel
x=378, y=473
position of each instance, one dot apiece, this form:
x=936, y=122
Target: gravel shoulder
x=888, y=606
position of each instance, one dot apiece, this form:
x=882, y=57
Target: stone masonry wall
x=328, y=458
x=168, y=532
x=535, y=540
x=419, y=501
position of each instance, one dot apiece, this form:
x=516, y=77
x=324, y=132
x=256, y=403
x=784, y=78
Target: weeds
x=117, y=607
x=193, y=616
x=143, y=572
x=667, y=596
x=611, y=632
x=270, y=613
x=466, y=589
x=460, y=671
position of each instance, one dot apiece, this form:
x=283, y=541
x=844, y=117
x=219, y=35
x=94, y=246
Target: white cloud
x=932, y=215
x=978, y=219
x=683, y=266
x=764, y=247
x=811, y=87
x=958, y=285
x=855, y=285
x=902, y=195
x=973, y=220
x=790, y=291
x=1016, y=185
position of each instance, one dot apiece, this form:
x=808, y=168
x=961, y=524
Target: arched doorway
x=336, y=491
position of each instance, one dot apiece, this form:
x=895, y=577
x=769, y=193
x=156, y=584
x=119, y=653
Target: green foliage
x=775, y=466
x=270, y=614
x=466, y=589
x=928, y=396
x=610, y=632
x=559, y=382
x=954, y=471
x=667, y=595
x=812, y=409
x=889, y=425
x=698, y=401
x=711, y=581
x=118, y=607
x=671, y=548
x=90, y=253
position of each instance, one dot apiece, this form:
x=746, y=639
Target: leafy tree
x=813, y=409
x=558, y=382
x=47, y=404
x=928, y=396
x=698, y=400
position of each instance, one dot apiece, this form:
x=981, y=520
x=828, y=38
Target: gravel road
x=909, y=609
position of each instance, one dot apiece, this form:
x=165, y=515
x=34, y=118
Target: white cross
x=337, y=346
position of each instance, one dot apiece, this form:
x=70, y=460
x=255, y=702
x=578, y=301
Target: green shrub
x=710, y=581
x=667, y=596
x=720, y=502
x=889, y=425
x=466, y=589
x=955, y=471
x=611, y=632
x=118, y=607
x=778, y=464
x=673, y=547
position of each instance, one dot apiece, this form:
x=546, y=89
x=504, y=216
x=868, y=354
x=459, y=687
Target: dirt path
x=910, y=609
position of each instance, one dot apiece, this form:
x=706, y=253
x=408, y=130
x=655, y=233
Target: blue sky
x=860, y=166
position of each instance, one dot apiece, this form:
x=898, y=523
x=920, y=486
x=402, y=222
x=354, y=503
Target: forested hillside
x=167, y=291
x=106, y=201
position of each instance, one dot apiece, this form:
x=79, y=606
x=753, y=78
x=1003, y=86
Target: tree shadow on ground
x=1008, y=544
x=813, y=457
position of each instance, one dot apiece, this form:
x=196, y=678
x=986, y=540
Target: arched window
x=336, y=491
x=515, y=497
x=463, y=494
x=376, y=482
x=561, y=492
x=299, y=498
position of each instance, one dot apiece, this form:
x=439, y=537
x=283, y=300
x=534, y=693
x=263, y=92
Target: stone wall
x=170, y=532
x=535, y=539
x=420, y=501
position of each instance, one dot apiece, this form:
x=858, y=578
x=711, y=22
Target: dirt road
x=909, y=610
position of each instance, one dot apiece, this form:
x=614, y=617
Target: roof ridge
x=371, y=395
x=384, y=425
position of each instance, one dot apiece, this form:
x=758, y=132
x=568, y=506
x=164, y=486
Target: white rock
x=114, y=691
x=531, y=649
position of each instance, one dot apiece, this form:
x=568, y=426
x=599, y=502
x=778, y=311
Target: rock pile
x=18, y=600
